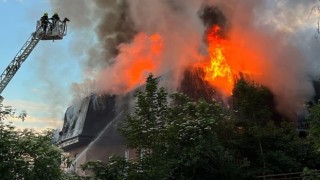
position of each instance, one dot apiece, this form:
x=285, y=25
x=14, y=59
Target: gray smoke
x=181, y=32
x=280, y=32
x=117, y=27
x=98, y=27
x=48, y=72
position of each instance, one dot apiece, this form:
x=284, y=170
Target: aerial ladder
x=52, y=33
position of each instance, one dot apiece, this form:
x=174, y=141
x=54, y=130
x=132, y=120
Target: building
x=90, y=130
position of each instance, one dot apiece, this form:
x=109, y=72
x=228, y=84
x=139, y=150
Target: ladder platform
x=52, y=37
x=53, y=32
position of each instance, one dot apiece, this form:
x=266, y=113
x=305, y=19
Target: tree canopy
x=26, y=154
x=177, y=138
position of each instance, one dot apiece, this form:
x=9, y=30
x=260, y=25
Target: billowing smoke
x=117, y=27
x=274, y=39
x=279, y=33
x=83, y=89
x=98, y=27
x=169, y=38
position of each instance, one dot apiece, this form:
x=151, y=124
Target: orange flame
x=229, y=57
x=143, y=60
x=218, y=73
x=133, y=64
x=225, y=60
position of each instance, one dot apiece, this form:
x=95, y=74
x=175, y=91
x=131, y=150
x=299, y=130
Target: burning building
x=90, y=131
x=268, y=40
x=198, y=46
x=86, y=123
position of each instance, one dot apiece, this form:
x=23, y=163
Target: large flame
x=227, y=59
x=218, y=73
x=133, y=64
x=145, y=54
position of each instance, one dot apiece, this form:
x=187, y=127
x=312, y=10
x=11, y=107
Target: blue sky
x=41, y=87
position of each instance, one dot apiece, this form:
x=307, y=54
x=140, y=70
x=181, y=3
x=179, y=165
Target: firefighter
x=44, y=22
x=54, y=19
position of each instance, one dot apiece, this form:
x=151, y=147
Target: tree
x=314, y=123
x=116, y=168
x=26, y=154
x=177, y=138
x=145, y=129
x=252, y=101
x=269, y=143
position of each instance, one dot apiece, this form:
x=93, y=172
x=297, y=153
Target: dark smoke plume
x=212, y=15
x=117, y=27
x=278, y=31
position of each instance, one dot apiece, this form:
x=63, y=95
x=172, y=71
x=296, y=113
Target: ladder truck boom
x=52, y=33
x=21, y=56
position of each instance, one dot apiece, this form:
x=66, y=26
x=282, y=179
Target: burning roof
x=84, y=120
x=223, y=37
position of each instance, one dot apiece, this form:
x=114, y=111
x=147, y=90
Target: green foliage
x=270, y=145
x=192, y=133
x=314, y=123
x=252, y=101
x=117, y=168
x=150, y=111
x=309, y=174
x=274, y=149
x=26, y=154
x=177, y=138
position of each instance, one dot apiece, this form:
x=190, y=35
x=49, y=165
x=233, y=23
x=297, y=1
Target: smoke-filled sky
x=275, y=40
x=116, y=43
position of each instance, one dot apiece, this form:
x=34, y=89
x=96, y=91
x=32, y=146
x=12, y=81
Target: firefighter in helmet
x=44, y=22
x=55, y=18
